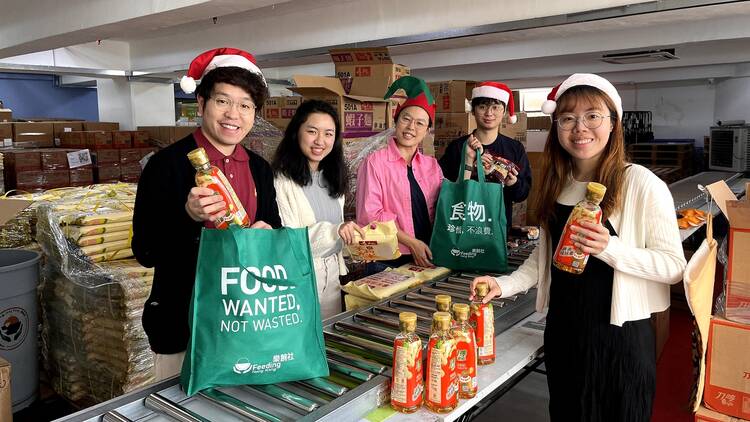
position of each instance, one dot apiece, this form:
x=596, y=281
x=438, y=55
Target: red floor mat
x=674, y=371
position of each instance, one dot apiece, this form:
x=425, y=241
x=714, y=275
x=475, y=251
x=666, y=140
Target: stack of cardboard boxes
x=46, y=155
x=453, y=117
x=727, y=387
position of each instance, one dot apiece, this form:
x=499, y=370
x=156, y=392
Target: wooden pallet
x=669, y=174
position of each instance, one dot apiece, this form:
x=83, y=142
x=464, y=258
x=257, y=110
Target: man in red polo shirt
x=170, y=210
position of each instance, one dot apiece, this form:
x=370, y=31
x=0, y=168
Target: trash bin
x=19, y=276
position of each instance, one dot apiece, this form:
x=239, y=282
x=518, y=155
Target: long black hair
x=289, y=160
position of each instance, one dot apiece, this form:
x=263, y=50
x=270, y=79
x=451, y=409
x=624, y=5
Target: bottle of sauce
x=208, y=176
x=442, y=383
x=466, y=352
x=443, y=303
x=567, y=257
x=406, y=382
x=483, y=321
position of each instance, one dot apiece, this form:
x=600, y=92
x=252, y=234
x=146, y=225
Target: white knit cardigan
x=295, y=211
x=646, y=254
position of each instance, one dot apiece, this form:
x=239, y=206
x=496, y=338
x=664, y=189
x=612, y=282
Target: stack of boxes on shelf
x=47, y=155
x=727, y=382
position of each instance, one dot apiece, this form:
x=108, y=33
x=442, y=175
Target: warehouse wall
x=681, y=110
x=733, y=99
x=31, y=95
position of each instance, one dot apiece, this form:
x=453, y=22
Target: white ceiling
x=525, y=42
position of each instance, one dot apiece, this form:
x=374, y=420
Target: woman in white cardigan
x=599, y=343
x=310, y=178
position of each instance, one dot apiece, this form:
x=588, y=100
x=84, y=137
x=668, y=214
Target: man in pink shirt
x=400, y=183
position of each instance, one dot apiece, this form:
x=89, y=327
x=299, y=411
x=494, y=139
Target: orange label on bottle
x=442, y=382
x=217, y=182
x=407, y=384
x=466, y=360
x=567, y=256
x=483, y=322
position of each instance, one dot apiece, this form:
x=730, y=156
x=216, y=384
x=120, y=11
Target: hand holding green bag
x=255, y=316
x=469, y=232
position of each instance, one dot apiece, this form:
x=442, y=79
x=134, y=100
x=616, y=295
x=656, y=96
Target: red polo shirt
x=236, y=168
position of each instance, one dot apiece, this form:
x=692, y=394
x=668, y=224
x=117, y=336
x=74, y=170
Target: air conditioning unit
x=645, y=56
x=730, y=148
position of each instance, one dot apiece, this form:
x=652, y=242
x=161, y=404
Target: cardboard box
x=167, y=135
x=727, y=388
x=452, y=96
x=535, y=163
x=101, y=126
x=18, y=160
x=366, y=71
x=6, y=134
x=451, y=126
x=99, y=140
x=76, y=139
x=33, y=135
x=6, y=405
x=517, y=130
x=130, y=155
x=36, y=180
x=737, y=289
x=140, y=139
x=58, y=128
x=82, y=176
x=357, y=113
x=6, y=115
x=107, y=173
x=707, y=415
x=539, y=123
x=55, y=159
x=130, y=173
x=105, y=156
x=122, y=139
x=279, y=110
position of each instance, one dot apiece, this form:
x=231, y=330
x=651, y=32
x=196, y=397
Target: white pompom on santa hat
x=496, y=91
x=218, y=57
x=578, y=79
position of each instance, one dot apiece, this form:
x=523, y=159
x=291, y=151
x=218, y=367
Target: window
x=532, y=100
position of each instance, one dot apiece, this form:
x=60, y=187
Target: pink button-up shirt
x=383, y=192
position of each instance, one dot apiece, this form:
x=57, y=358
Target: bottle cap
x=407, y=317
x=198, y=157
x=461, y=311
x=443, y=303
x=596, y=190
x=482, y=288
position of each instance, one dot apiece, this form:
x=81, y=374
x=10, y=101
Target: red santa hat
x=496, y=91
x=588, y=79
x=218, y=57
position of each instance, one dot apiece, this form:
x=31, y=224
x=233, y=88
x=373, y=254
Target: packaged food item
x=501, y=167
x=423, y=273
x=567, y=257
x=442, y=383
x=211, y=177
x=466, y=352
x=379, y=244
x=483, y=321
x=380, y=285
x=407, y=382
x=690, y=217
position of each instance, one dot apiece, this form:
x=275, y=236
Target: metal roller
x=356, y=361
x=462, y=297
x=389, y=321
x=158, y=403
x=416, y=296
x=292, y=400
x=324, y=386
x=350, y=371
x=364, y=343
x=393, y=311
x=372, y=333
x=115, y=416
x=237, y=406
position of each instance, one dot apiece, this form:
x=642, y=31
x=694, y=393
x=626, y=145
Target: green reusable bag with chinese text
x=470, y=228
x=255, y=315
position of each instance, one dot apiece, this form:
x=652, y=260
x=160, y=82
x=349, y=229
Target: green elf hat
x=417, y=93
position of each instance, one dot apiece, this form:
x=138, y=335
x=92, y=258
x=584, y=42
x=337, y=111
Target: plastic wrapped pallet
x=93, y=343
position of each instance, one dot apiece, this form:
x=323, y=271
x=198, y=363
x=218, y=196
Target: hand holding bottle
x=494, y=288
x=203, y=205
x=591, y=238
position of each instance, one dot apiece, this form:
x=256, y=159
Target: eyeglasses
x=568, y=121
x=406, y=121
x=494, y=108
x=223, y=103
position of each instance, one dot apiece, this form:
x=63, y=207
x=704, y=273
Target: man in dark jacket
x=488, y=105
x=170, y=210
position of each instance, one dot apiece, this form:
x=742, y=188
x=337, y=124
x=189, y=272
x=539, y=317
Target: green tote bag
x=255, y=316
x=469, y=232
